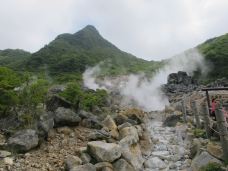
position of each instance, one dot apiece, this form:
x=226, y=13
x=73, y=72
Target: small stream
x=171, y=147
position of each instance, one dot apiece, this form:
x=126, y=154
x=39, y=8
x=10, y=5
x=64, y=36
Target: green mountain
x=216, y=53
x=13, y=58
x=68, y=55
x=72, y=53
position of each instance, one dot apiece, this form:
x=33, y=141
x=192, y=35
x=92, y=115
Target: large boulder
x=23, y=141
x=45, y=124
x=111, y=125
x=179, y=84
x=99, y=135
x=130, y=132
x=155, y=163
x=66, y=117
x=202, y=160
x=85, y=167
x=215, y=150
x=103, y=166
x=104, y=152
x=180, y=78
x=195, y=148
x=4, y=154
x=122, y=165
x=89, y=120
x=171, y=120
x=72, y=161
x=131, y=152
x=120, y=119
x=56, y=101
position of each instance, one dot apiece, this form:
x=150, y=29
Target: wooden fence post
x=223, y=133
x=184, y=110
x=196, y=113
x=206, y=121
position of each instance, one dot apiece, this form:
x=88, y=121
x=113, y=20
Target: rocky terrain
x=128, y=140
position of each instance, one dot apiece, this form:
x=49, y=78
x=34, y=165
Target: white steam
x=145, y=92
x=89, y=78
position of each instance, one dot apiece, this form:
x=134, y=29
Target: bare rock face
x=23, y=141
x=122, y=165
x=66, y=117
x=179, y=83
x=104, y=152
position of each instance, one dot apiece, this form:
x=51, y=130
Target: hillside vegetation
x=72, y=53
x=25, y=78
x=14, y=58
x=216, y=53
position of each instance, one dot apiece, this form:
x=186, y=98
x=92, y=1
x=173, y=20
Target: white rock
x=4, y=153
x=160, y=154
x=154, y=163
x=8, y=161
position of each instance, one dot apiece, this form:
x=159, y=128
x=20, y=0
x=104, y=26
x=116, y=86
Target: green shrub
x=212, y=167
x=87, y=99
x=199, y=133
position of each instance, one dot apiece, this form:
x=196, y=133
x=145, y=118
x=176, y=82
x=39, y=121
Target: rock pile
x=179, y=84
x=102, y=145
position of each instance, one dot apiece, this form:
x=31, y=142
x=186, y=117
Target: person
x=213, y=106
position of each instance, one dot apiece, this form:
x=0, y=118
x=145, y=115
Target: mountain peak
x=90, y=29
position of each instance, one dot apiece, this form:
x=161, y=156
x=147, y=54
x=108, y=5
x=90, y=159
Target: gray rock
x=129, y=132
x=99, y=135
x=86, y=158
x=72, y=161
x=124, y=125
x=161, y=154
x=8, y=161
x=104, y=152
x=23, y=141
x=195, y=148
x=103, y=166
x=89, y=120
x=44, y=126
x=66, y=117
x=86, y=167
x=111, y=125
x=131, y=152
x=154, y=163
x=122, y=165
x=55, y=101
x=120, y=119
x=91, y=123
x=4, y=154
x=202, y=160
x=172, y=120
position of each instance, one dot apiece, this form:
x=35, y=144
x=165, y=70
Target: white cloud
x=149, y=29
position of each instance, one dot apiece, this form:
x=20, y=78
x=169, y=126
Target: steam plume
x=146, y=92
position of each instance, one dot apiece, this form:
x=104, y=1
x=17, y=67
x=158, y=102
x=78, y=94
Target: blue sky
x=149, y=29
